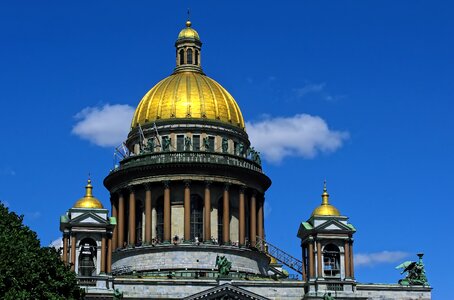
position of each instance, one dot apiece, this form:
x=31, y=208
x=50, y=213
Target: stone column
x=187, y=210
x=103, y=254
x=113, y=201
x=352, y=268
x=260, y=219
x=311, y=260
x=121, y=221
x=132, y=217
x=207, y=221
x=167, y=211
x=147, y=214
x=241, y=223
x=347, y=259
x=73, y=253
x=226, y=216
x=65, y=248
x=319, y=260
x=253, y=224
x=109, y=256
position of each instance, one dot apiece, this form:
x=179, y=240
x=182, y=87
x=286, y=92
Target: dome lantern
x=188, y=51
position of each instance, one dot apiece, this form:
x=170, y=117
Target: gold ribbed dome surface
x=325, y=209
x=188, y=95
x=88, y=201
x=188, y=32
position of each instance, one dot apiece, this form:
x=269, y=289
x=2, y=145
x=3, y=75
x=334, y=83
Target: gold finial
x=89, y=189
x=188, y=22
x=325, y=195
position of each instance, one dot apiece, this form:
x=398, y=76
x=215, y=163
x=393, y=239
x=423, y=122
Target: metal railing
x=188, y=157
x=280, y=255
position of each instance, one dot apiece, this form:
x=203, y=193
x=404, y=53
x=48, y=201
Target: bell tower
x=327, y=250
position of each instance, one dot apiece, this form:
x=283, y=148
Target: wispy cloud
x=104, y=126
x=5, y=203
x=33, y=215
x=383, y=257
x=302, y=135
x=310, y=88
x=7, y=171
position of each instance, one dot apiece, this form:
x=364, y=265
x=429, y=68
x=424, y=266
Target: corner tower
x=327, y=250
x=191, y=187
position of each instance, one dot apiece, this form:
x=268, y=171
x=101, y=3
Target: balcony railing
x=188, y=157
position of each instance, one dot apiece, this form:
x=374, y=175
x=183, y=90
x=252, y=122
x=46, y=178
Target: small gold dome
x=325, y=209
x=188, y=95
x=88, y=201
x=188, y=32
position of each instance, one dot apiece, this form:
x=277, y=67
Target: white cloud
x=105, y=126
x=5, y=203
x=57, y=244
x=383, y=257
x=301, y=135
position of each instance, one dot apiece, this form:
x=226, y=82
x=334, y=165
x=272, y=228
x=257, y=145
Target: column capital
x=254, y=193
x=131, y=188
x=187, y=183
x=166, y=184
x=242, y=188
x=147, y=186
x=227, y=186
x=208, y=183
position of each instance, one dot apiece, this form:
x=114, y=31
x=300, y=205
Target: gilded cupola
x=325, y=209
x=88, y=201
x=188, y=93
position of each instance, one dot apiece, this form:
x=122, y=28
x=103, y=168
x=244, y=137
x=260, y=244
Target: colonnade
x=70, y=241
x=124, y=210
x=311, y=253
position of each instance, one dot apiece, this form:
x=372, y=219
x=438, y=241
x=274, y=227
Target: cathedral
x=187, y=210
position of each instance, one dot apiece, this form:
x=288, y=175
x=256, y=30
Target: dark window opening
x=180, y=142
x=211, y=143
x=196, y=57
x=331, y=261
x=196, y=218
x=160, y=219
x=196, y=142
x=189, y=56
x=87, y=257
x=181, y=57
x=220, y=220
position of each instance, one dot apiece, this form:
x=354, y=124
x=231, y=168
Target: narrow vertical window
x=180, y=142
x=189, y=56
x=196, y=56
x=220, y=220
x=196, y=142
x=181, y=57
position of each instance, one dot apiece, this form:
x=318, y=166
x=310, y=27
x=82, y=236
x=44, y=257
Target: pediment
x=89, y=218
x=333, y=225
x=226, y=292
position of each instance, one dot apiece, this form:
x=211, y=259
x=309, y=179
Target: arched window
x=189, y=56
x=331, y=261
x=196, y=218
x=220, y=220
x=87, y=257
x=160, y=219
x=196, y=56
x=181, y=57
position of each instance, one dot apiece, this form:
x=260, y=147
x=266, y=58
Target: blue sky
x=376, y=78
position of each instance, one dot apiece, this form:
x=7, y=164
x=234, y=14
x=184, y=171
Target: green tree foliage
x=27, y=270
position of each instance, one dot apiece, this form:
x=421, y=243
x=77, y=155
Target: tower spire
x=325, y=195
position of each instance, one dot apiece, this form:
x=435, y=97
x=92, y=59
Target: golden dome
x=188, y=95
x=188, y=32
x=325, y=209
x=88, y=201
